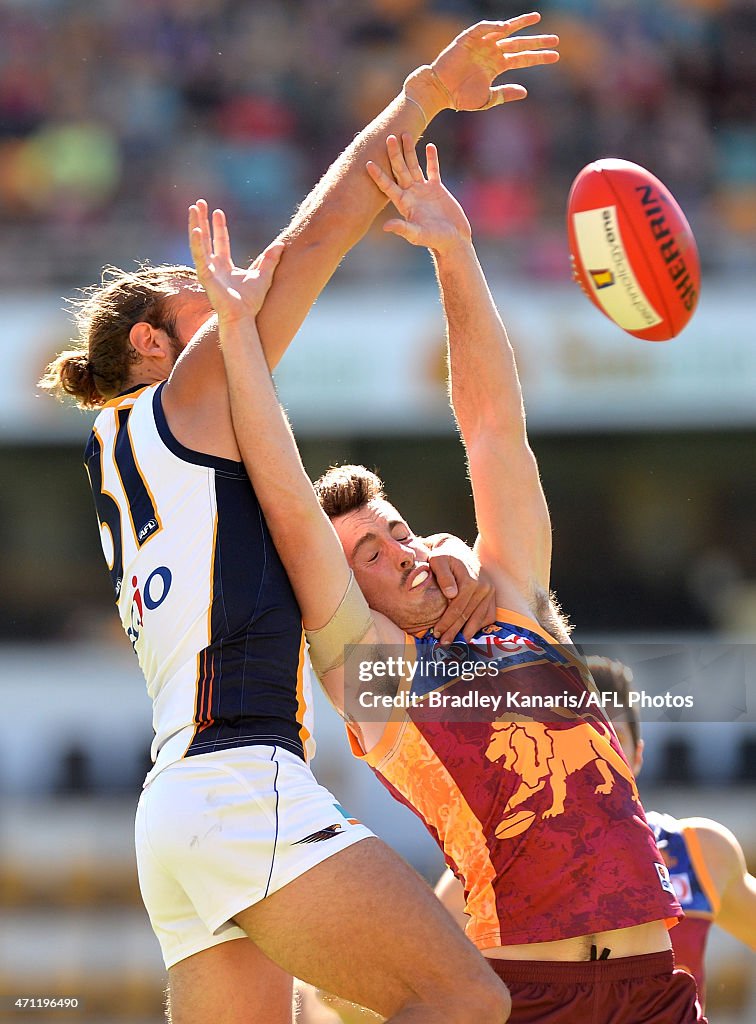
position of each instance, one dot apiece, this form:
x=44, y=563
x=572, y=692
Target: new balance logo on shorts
x=330, y=831
x=321, y=835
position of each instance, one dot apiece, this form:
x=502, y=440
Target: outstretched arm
x=726, y=866
x=338, y=212
x=341, y=207
x=306, y=541
x=514, y=542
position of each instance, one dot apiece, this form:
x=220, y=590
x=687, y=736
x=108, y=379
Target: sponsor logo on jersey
x=147, y=598
x=488, y=645
x=681, y=885
x=666, y=883
x=505, y=646
x=602, y=278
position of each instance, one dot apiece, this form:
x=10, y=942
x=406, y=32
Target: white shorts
x=218, y=832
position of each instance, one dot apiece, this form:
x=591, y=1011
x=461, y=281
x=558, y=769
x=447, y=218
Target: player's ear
x=147, y=340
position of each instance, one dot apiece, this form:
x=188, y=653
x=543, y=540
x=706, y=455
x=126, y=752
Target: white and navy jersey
x=201, y=591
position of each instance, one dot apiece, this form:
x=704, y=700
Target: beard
x=409, y=612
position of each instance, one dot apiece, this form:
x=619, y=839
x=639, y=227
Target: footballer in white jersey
x=209, y=610
x=201, y=592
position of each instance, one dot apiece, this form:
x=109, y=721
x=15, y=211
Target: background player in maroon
x=705, y=860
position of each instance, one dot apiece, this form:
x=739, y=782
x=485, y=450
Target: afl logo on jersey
x=147, y=598
x=147, y=530
x=664, y=879
x=454, y=652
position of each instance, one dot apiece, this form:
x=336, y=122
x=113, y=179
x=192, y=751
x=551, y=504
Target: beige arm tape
x=347, y=626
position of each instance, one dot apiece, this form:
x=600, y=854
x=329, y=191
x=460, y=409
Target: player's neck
x=145, y=374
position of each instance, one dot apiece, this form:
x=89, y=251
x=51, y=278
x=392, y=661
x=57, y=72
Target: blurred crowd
x=115, y=115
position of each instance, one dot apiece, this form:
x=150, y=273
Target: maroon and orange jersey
x=529, y=797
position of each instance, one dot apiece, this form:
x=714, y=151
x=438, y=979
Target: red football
x=632, y=250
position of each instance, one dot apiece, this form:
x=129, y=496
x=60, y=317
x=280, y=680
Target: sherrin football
x=632, y=250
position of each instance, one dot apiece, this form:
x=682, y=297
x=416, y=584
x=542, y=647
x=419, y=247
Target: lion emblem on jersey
x=539, y=755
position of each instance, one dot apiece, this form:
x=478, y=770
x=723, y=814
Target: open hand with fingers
x=463, y=74
x=235, y=293
x=431, y=216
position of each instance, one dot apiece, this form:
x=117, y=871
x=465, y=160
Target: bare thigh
x=364, y=926
x=232, y=983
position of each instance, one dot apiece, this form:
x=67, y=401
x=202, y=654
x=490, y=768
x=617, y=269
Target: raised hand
x=234, y=293
x=431, y=216
x=465, y=71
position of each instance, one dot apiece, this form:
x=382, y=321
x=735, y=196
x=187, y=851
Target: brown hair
x=343, y=489
x=98, y=367
x=615, y=677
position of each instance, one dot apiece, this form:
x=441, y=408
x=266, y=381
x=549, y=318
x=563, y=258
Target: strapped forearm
x=347, y=627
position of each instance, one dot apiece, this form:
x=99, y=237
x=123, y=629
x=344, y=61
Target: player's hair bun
x=72, y=372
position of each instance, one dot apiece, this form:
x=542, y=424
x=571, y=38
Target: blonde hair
x=97, y=368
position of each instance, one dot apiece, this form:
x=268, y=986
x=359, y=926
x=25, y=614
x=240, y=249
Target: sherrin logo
x=653, y=207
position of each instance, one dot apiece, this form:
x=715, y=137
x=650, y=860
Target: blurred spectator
x=111, y=113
